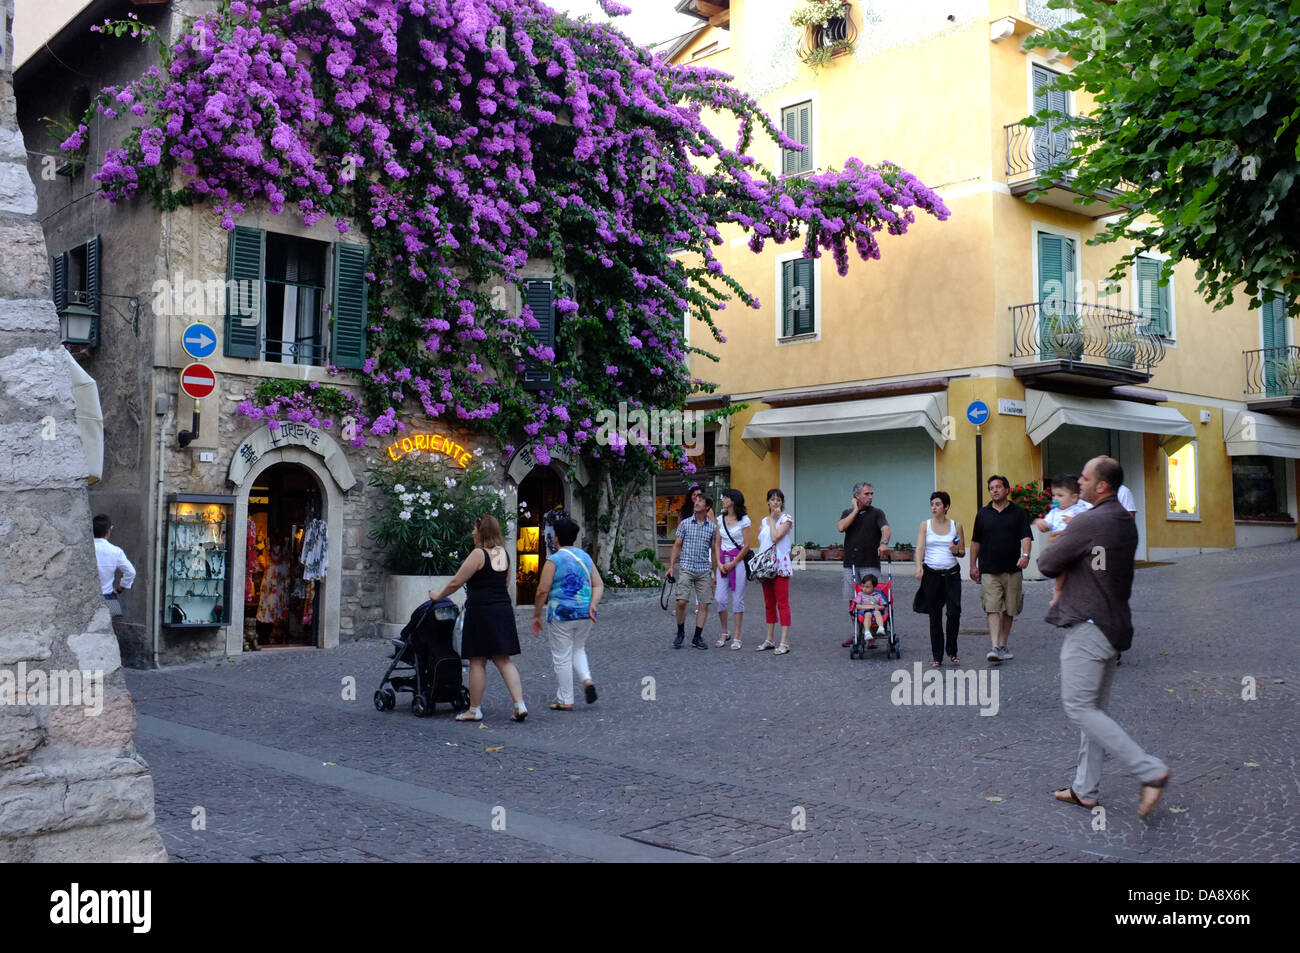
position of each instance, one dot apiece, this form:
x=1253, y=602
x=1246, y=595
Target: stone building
x=129, y=280
x=72, y=787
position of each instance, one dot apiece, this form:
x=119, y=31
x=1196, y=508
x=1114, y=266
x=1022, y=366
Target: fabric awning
x=926, y=411
x=90, y=419
x=1045, y=412
x=1249, y=434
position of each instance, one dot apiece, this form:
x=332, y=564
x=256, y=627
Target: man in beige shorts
x=695, y=546
x=1000, y=544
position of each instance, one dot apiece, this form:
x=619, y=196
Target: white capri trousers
x=727, y=599
x=569, y=654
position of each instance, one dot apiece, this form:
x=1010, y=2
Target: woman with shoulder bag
x=939, y=543
x=774, y=542
x=732, y=570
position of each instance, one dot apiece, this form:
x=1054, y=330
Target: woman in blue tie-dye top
x=574, y=588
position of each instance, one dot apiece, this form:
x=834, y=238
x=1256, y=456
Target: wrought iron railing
x=307, y=351
x=1058, y=330
x=1031, y=152
x=1273, y=372
x=836, y=36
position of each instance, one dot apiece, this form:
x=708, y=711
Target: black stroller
x=426, y=662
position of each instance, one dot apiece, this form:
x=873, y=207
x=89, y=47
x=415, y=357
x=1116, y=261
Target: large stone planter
x=403, y=595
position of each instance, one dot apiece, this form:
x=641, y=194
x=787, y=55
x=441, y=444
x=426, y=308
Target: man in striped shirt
x=696, y=545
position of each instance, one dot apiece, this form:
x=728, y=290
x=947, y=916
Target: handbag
x=765, y=566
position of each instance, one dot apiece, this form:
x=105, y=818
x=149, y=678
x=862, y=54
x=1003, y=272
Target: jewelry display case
x=196, y=591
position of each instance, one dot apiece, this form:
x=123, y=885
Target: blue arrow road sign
x=977, y=412
x=200, y=341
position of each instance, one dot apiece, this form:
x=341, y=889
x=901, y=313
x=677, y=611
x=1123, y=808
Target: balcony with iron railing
x=309, y=351
x=1031, y=152
x=1273, y=380
x=1075, y=343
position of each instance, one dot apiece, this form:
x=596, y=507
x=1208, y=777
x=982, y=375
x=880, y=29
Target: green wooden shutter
x=1273, y=340
x=805, y=137
x=540, y=298
x=351, y=305
x=790, y=126
x=1051, y=286
x=1153, y=300
x=59, y=280
x=1050, y=143
x=787, y=294
x=92, y=274
x=803, y=278
x=244, y=266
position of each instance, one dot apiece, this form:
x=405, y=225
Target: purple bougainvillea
x=465, y=138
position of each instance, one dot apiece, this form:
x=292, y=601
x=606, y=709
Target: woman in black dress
x=489, y=631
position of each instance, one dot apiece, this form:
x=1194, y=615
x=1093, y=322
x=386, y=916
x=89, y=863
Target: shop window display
x=1181, y=482
x=196, y=589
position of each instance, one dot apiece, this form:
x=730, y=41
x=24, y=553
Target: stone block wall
x=72, y=786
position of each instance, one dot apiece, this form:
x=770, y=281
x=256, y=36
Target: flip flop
x=1148, y=802
x=1072, y=798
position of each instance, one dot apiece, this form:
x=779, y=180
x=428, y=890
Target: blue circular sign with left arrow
x=199, y=341
x=977, y=412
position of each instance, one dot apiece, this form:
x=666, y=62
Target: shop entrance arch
x=284, y=555
x=540, y=491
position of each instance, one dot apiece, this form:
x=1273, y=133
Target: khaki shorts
x=1002, y=592
x=700, y=583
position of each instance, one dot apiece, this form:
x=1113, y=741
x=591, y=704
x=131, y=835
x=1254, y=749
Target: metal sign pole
x=979, y=468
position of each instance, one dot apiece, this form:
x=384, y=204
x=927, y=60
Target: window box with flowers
x=426, y=524
x=829, y=31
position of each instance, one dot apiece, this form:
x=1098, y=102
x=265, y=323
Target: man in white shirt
x=111, y=559
x=1125, y=496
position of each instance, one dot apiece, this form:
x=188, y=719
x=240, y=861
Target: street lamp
x=79, y=325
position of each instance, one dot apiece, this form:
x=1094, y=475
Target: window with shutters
x=798, y=297
x=1155, y=302
x=76, y=280
x=276, y=299
x=796, y=123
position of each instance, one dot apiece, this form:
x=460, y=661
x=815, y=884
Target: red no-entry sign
x=198, y=381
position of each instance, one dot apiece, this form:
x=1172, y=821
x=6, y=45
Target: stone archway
x=324, y=460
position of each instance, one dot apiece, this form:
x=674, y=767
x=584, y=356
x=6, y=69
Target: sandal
x=520, y=714
x=470, y=714
x=782, y=649
x=735, y=644
x=559, y=706
x=1152, y=792
x=767, y=644
x=1068, y=796
x=722, y=641
x=936, y=665
x=954, y=659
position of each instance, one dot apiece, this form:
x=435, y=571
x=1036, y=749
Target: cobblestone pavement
x=742, y=756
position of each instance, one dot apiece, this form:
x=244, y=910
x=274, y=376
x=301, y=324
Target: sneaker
x=994, y=655
x=699, y=643
x=1005, y=653
x=677, y=642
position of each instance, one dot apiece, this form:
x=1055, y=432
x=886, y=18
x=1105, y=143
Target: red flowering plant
x=464, y=138
x=1032, y=498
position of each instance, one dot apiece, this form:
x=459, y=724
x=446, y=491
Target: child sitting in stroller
x=870, y=605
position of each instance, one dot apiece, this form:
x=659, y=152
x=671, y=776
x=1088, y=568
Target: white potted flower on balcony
x=1063, y=336
x=828, y=29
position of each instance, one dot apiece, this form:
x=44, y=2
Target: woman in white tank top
x=939, y=543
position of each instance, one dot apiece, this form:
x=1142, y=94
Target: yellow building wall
x=750, y=475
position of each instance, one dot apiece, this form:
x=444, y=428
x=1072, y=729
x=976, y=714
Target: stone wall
x=72, y=786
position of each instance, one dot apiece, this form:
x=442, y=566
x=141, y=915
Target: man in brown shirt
x=1095, y=554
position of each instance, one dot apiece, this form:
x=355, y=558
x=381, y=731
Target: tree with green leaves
x=1197, y=124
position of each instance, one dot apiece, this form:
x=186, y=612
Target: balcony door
x=1056, y=280
x=1051, y=144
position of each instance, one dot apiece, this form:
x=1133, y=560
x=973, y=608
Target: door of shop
x=540, y=491
x=284, y=543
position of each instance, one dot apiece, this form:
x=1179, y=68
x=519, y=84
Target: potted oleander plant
x=426, y=524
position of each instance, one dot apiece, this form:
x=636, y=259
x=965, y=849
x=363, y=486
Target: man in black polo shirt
x=866, y=539
x=999, y=550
